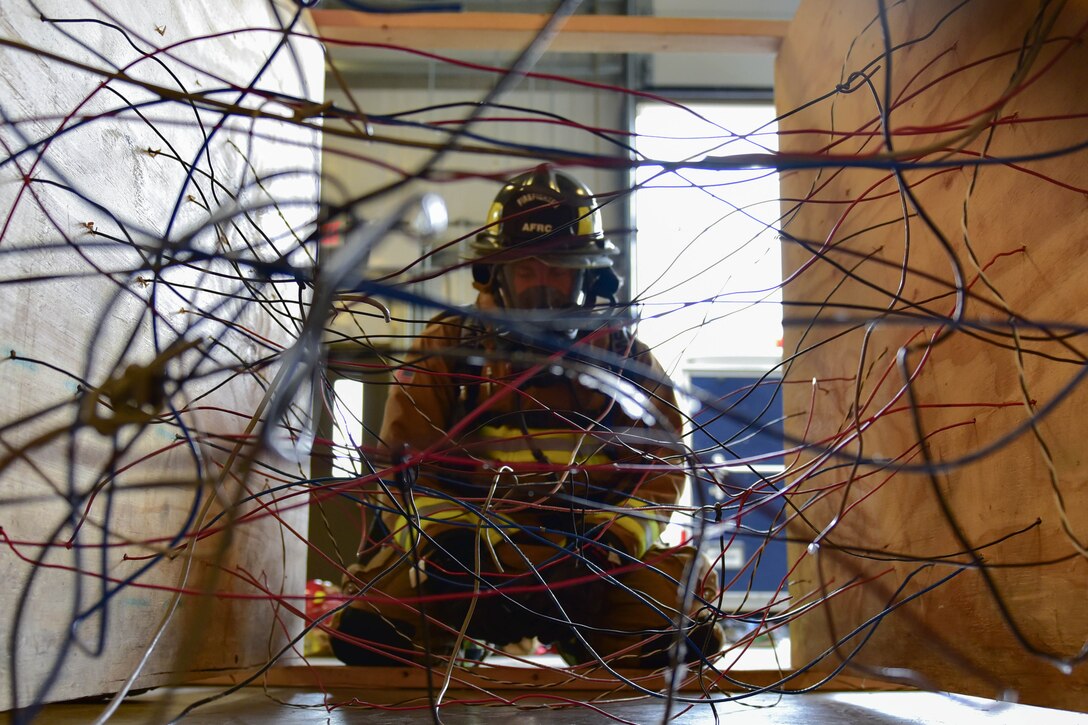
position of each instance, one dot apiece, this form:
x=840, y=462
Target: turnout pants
x=581, y=595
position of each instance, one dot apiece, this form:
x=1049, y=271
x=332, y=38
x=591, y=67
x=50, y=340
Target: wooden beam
x=393, y=681
x=580, y=33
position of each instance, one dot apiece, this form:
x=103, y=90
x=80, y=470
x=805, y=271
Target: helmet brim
x=565, y=251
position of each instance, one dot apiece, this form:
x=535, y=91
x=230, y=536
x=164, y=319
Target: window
x=706, y=263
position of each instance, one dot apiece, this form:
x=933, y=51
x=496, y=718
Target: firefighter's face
x=535, y=285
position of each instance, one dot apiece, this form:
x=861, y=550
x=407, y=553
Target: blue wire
x=377, y=8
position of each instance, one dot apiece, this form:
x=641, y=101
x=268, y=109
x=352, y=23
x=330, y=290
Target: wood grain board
x=579, y=33
x=1015, y=233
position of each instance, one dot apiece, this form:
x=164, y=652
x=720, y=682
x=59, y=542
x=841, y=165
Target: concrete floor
x=253, y=705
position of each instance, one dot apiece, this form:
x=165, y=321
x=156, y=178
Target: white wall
x=717, y=70
x=79, y=305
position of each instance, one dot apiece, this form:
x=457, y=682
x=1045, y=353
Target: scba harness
x=544, y=403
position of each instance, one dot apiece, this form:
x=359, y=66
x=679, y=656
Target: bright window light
x=347, y=426
x=707, y=265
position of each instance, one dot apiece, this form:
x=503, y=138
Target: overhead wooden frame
x=580, y=33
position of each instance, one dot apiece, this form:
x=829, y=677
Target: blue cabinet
x=738, y=442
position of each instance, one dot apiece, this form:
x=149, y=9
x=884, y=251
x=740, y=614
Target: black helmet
x=545, y=214
x=551, y=216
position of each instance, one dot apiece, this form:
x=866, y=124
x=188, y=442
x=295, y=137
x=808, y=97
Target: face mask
x=541, y=298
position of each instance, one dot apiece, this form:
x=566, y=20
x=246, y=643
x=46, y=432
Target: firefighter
x=534, y=449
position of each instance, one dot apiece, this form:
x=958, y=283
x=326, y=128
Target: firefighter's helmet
x=551, y=216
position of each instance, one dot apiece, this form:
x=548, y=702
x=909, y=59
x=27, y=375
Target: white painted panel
x=80, y=305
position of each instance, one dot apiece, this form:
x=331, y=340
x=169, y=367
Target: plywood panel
x=116, y=444
x=974, y=282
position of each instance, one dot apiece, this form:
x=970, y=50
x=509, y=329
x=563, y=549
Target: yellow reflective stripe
x=553, y=456
x=432, y=512
x=405, y=535
x=512, y=445
x=511, y=436
x=644, y=529
x=585, y=221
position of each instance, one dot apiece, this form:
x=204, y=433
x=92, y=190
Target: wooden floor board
x=292, y=706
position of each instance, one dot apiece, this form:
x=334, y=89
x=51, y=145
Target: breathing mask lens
x=542, y=298
x=561, y=294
